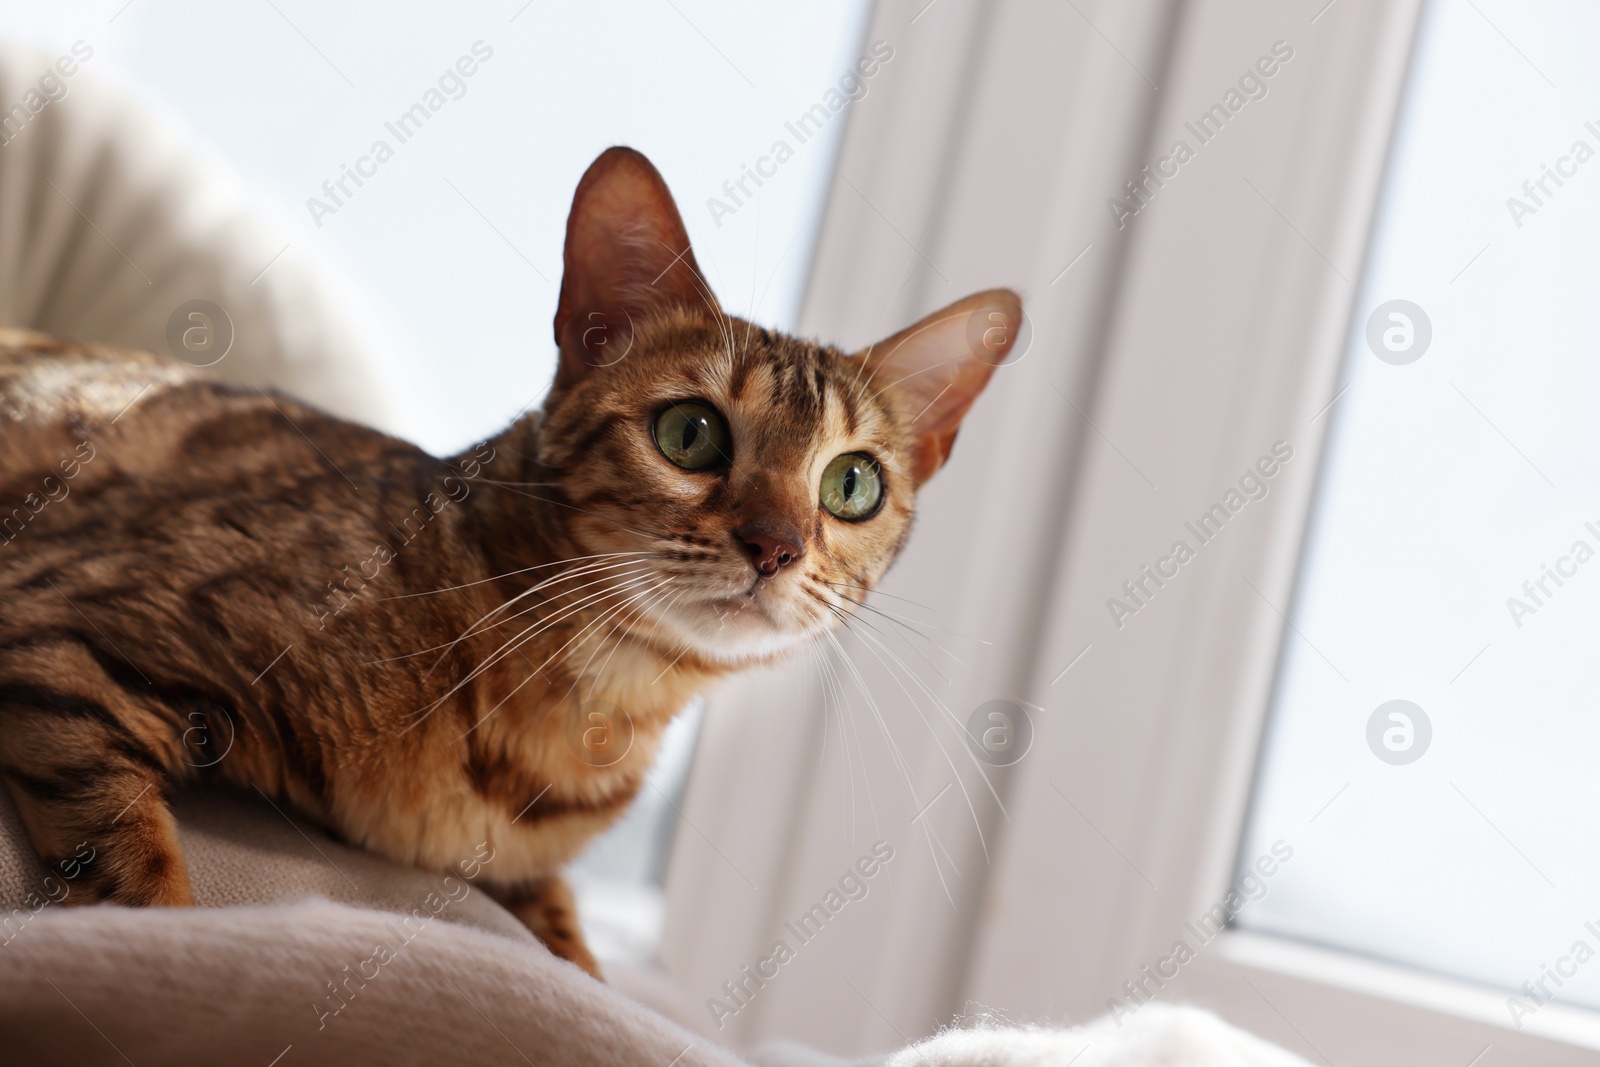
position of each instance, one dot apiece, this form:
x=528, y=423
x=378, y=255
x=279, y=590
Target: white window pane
x=1449, y=482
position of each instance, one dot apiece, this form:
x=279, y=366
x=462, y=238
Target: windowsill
x=621, y=919
x=1573, y=1026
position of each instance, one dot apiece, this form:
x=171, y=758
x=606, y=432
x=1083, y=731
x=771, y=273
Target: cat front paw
x=550, y=911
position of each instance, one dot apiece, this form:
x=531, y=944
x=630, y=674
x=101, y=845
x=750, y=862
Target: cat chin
x=735, y=633
x=753, y=650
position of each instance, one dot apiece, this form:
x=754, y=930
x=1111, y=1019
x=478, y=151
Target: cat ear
x=627, y=254
x=934, y=370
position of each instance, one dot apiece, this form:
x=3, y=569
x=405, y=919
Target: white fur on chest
x=523, y=840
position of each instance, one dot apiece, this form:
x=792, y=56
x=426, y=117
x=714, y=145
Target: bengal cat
x=207, y=582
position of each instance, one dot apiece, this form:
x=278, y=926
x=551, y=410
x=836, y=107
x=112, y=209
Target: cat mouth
x=759, y=599
x=751, y=598
x=742, y=622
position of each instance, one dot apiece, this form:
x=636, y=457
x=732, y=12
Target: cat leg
x=88, y=766
x=548, y=909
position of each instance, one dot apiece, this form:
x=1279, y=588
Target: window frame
x=1191, y=692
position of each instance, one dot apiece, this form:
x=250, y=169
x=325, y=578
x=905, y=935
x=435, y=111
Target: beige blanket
x=299, y=941
x=306, y=947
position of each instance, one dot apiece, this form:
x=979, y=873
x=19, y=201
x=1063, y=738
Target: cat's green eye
x=852, y=486
x=692, y=435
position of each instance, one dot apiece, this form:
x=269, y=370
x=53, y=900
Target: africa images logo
x=1399, y=732
x=1399, y=332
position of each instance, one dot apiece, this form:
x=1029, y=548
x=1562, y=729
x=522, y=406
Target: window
x=1178, y=339
x=1434, y=710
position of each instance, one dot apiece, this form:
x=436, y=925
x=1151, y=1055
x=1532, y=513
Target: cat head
x=754, y=485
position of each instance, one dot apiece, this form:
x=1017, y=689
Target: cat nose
x=770, y=546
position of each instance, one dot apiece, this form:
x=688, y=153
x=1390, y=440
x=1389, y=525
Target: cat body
x=433, y=656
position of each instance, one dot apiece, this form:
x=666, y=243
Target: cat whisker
x=932, y=696
x=478, y=628
x=898, y=758
x=512, y=645
x=723, y=320
x=931, y=666
x=822, y=750
x=910, y=626
x=535, y=673
x=637, y=612
x=850, y=723
x=577, y=572
x=665, y=589
x=933, y=839
x=610, y=613
x=879, y=592
x=565, y=612
x=664, y=611
x=531, y=675
x=446, y=646
x=473, y=630
x=509, y=574
x=960, y=730
x=832, y=689
x=687, y=646
x=861, y=754
x=866, y=358
x=910, y=622
x=841, y=613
